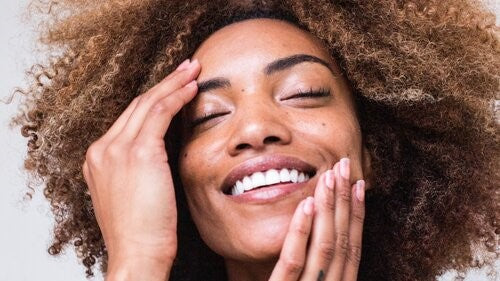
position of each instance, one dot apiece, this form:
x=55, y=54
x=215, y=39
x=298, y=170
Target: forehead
x=250, y=43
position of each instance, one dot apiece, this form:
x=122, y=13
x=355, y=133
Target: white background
x=26, y=225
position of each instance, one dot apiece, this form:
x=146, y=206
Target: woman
x=269, y=119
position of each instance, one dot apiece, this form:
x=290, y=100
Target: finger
x=118, y=125
x=293, y=253
x=342, y=216
x=160, y=115
x=183, y=66
x=322, y=244
x=164, y=89
x=355, y=232
x=120, y=122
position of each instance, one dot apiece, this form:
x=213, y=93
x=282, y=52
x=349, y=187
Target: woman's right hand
x=323, y=242
x=130, y=182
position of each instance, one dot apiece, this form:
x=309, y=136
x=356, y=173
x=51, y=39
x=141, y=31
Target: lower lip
x=268, y=194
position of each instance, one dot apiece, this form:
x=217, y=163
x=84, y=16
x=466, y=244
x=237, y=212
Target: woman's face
x=254, y=75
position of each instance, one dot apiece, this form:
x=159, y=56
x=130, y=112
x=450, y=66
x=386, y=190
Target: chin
x=264, y=241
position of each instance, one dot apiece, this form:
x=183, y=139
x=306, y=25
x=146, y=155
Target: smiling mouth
x=268, y=178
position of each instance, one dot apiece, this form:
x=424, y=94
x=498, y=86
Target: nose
x=258, y=130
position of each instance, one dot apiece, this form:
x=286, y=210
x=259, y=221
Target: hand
x=334, y=220
x=130, y=182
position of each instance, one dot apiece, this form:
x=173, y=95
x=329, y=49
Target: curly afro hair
x=425, y=75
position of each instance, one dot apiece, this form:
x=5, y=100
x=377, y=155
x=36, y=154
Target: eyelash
x=322, y=92
x=206, y=117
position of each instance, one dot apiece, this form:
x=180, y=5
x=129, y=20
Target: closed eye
x=205, y=118
x=311, y=93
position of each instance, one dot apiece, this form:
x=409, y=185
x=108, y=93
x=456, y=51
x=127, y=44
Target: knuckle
x=327, y=250
x=342, y=241
x=358, y=216
x=330, y=204
x=139, y=152
x=93, y=153
x=293, y=265
x=301, y=230
x=160, y=107
x=345, y=195
x=114, y=151
x=354, y=254
x=166, y=107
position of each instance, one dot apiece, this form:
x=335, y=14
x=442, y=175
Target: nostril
x=271, y=139
x=242, y=146
x=267, y=140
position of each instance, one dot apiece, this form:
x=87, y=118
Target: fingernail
x=193, y=63
x=329, y=179
x=360, y=190
x=344, y=168
x=183, y=65
x=309, y=206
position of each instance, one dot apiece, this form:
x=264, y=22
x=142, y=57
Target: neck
x=249, y=271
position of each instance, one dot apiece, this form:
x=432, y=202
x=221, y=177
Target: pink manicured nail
x=183, y=65
x=344, y=168
x=309, y=206
x=193, y=63
x=329, y=179
x=360, y=190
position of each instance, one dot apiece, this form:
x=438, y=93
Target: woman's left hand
x=333, y=222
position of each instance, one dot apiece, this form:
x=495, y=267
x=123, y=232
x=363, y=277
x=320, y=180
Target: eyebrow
x=271, y=68
x=212, y=84
x=287, y=62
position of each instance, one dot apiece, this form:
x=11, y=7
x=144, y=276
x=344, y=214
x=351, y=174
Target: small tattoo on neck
x=321, y=276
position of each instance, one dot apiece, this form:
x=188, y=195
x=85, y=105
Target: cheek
x=197, y=163
x=334, y=133
x=196, y=181
x=186, y=168
x=198, y=169
x=196, y=178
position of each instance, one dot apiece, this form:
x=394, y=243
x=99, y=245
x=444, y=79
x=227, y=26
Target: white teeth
x=268, y=177
x=239, y=187
x=247, y=183
x=272, y=177
x=258, y=179
x=294, y=174
x=284, y=175
x=301, y=177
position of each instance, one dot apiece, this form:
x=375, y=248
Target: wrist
x=139, y=268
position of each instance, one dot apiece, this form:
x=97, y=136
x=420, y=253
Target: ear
x=367, y=167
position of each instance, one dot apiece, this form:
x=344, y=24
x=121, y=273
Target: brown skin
x=423, y=75
x=131, y=185
x=319, y=131
x=133, y=192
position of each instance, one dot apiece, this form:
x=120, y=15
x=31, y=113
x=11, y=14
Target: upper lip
x=264, y=163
